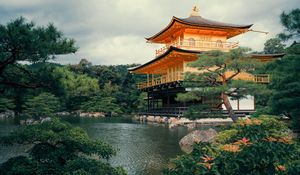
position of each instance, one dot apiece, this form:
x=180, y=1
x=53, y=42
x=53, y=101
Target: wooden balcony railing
x=199, y=45
x=262, y=78
x=178, y=76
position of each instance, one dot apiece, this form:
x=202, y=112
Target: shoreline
x=175, y=121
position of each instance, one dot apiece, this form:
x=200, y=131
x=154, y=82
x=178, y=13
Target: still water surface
x=143, y=149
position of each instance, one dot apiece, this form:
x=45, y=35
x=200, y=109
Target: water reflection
x=143, y=148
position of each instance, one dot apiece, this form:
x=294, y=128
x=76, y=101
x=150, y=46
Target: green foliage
x=294, y=168
x=6, y=104
x=260, y=128
x=214, y=80
x=226, y=135
x=284, y=89
x=258, y=146
x=101, y=104
x=24, y=41
x=273, y=46
x=82, y=166
x=207, y=110
x=113, y=81
x=76, y=88
x=262, y=98
x=108, y=90
x=285, y=98
x=17, y=165
x=194, y=163
x=216, y=63
x=128, y=94
x=58, y=148
x=43, y=105
x=141, y=102
x=186, y=97
x=291, y=23
x=75, y=84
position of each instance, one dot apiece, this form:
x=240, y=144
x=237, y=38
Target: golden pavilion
x=184, y=39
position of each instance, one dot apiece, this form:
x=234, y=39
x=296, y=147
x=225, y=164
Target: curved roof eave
x=163, y=30
x=163, y=55
x=201, y=23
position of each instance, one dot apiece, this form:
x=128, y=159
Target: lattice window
x=192, y=42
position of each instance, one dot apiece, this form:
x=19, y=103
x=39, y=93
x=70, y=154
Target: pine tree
x=291, y=23
x=24, y=41
x=218, y=78
x=43, y=105
x=58, y=148
x=6, y=104
x=285, y=98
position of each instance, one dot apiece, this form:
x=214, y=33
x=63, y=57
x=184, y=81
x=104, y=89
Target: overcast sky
x=113, y=31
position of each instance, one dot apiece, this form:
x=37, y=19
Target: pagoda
x=184, y=39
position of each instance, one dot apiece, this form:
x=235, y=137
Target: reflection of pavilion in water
x=184, y=39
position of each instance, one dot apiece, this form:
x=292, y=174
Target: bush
x=43, y=105
x=6, y=104
x=101, y=104
x=59, y=148
x=251, y=146
x=203, y=111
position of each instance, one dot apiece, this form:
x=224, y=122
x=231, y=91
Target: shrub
x=101, y=104
x=252, y=146
x=58, y=148
x=43, y=105
x=6, y=104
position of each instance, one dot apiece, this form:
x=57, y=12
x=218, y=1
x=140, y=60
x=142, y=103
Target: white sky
x=113, y=31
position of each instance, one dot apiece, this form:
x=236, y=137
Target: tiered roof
x=198, y=22
x=194, y=23
x=184, y=54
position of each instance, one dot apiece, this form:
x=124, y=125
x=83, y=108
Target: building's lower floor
x=161, y=101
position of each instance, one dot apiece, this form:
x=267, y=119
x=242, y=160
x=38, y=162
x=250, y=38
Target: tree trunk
x=229, y=107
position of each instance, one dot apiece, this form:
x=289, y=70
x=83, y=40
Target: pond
x=143, y=149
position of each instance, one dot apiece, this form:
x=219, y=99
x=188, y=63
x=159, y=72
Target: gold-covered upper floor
x=184, y=39
x=179, y=76
x=172, y=65
x=199, y=45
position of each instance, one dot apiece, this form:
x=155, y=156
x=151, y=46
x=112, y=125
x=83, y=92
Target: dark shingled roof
x=202, y=22
x=198, y=21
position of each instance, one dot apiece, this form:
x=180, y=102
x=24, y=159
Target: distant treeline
x=78, y=87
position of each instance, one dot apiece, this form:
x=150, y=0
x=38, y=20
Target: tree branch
x=209, y=70
x=24, y=70
x=8, y=61
x=220, y=67
x=220, y=105
x=235, y=74
x=22, y=85
x=230, y=93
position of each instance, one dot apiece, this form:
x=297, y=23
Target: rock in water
x=186, y=143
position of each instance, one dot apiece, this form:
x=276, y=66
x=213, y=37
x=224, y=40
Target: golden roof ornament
x=195, y=11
